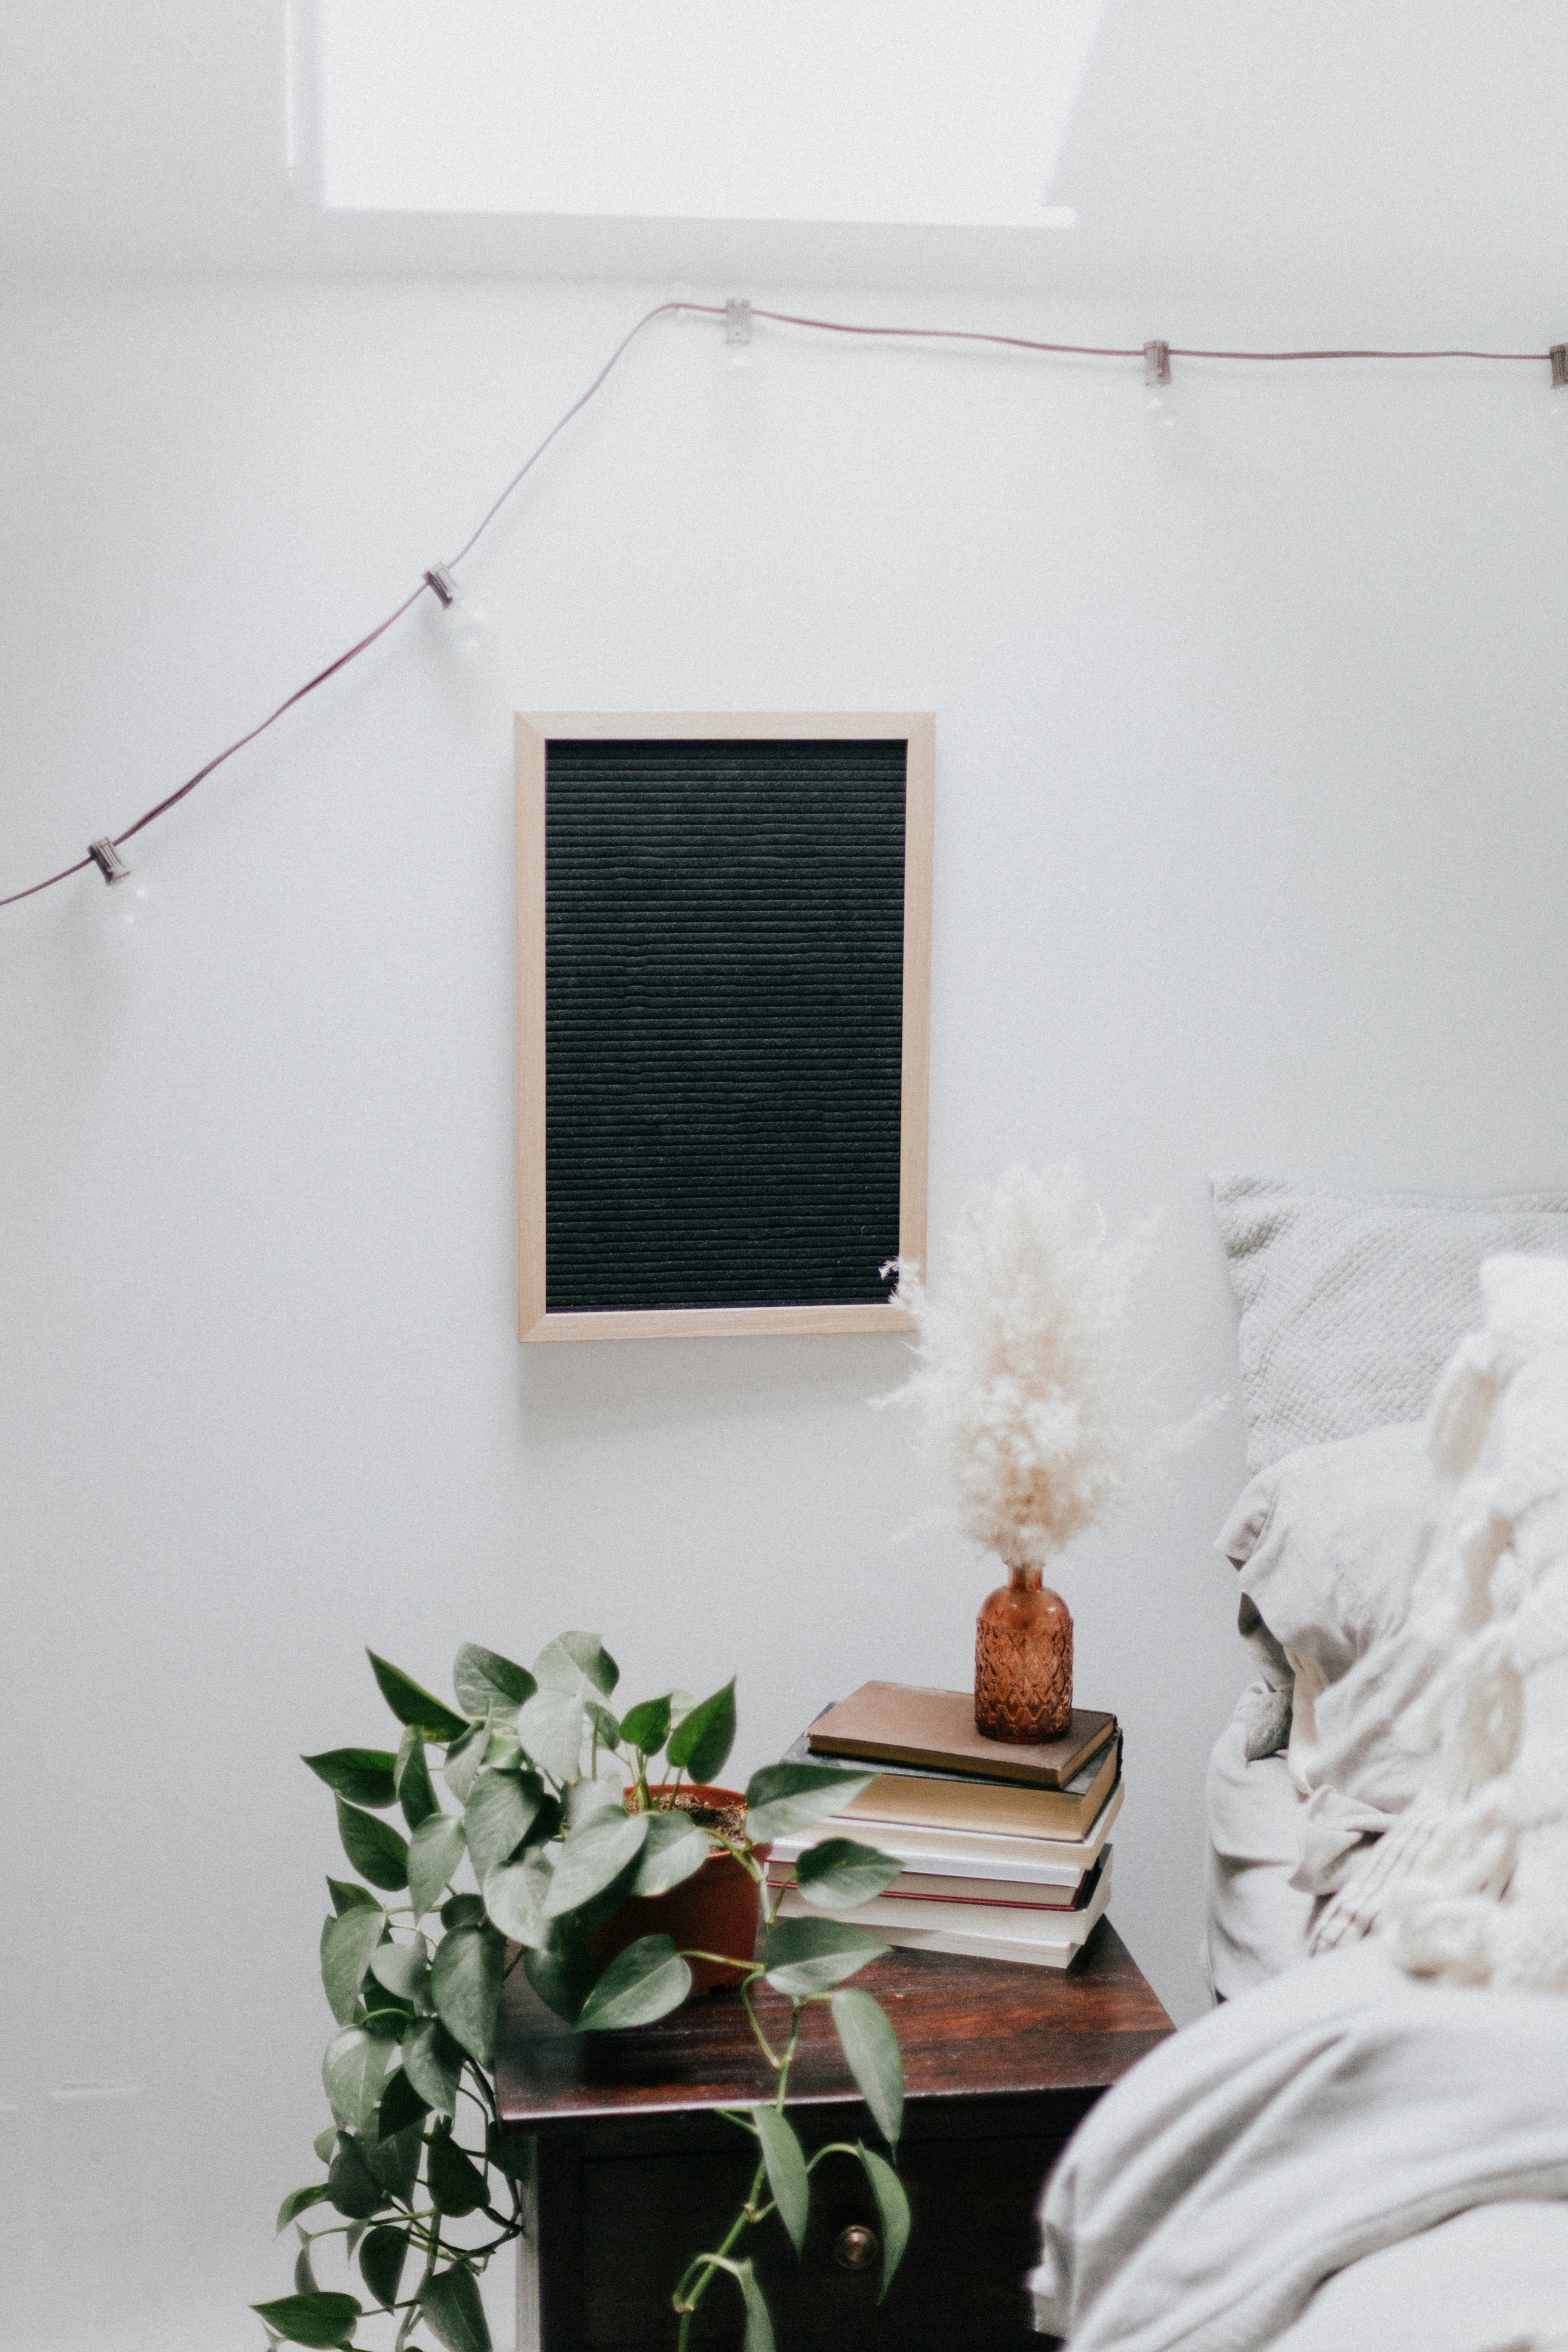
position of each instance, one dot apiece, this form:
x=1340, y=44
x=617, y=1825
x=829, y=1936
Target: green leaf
x=401, y=2105
x=457, y=2184
x=315, y=2319
x=759, y=2326
x=383, y=2013
x=562, y=1974
x=573, y=1659
x=605, y=1726
x=551, y=1727
x=464, y=1759
x=647, y=1727
x=839, y=1874
x=463, y=1911
x=414, y=1793
x=503, y=1750
x=674, y=1848
x=435, y=1851
x=591, y=1860
x=499, y=1813
x=513, y=2153
x=702, y=1743
x=515, y=1896
x=394, y=2162
x=592, y=1801
x=893, y=2206
x=351, y=2184
x=787, y=2175
x=464, y=1985
x=402, y=1968
x=304, y=2271
x=354, y=2073
x=347, y=1896
x=806, y=1956
x=871, y=2046
x=347, y=1943
x=300, y=2200
x=363, y=1775
x=324, y=2143
x=374, y=1848
x=411, y=1703
x=451, y=2305
x=433, y=2061
x=643, y=1982
x=380, y=2261
x=488, y=1684
x=782, y=1799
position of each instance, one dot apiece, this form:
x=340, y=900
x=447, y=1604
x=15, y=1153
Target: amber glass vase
x=1022, y=1661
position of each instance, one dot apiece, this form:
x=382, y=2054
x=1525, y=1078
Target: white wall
x=1250, y=838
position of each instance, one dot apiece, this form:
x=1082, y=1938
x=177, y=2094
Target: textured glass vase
x=1022, y=1661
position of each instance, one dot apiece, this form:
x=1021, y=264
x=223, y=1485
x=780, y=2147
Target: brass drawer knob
x=855, y=2247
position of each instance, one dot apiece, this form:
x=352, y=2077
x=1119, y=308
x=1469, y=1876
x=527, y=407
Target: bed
x=1366, y=2142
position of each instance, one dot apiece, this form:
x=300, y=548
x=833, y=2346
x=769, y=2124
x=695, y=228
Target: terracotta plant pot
x=715, y=1910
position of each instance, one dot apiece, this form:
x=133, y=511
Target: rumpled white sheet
x=1257, y=1920
x=1334, y=2112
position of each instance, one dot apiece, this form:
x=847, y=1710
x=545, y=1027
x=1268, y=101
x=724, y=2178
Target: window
x=854, y=111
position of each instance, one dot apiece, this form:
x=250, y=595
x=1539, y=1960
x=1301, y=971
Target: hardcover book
x=1007, y=1855
x=896, y=1723
x=1054, y=1946
x=922, y=1795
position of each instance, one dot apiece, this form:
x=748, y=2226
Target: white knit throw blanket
x=1472, y=1883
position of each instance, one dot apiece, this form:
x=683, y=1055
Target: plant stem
x=771, y=1910
x=768, y=2052
x=686, y=2303
x=688, y=2296
x=402, y=2333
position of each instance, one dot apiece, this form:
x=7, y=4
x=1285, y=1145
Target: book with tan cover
x=997, y=1854
x=896, y=1723
x=922, y=1797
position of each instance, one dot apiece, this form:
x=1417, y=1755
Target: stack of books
x=1003, y=1848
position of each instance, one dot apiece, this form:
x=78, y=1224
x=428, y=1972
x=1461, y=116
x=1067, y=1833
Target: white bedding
x=1329, y=1545
x=1257, y=1921
x=1339, y=2110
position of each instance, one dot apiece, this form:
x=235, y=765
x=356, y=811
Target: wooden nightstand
x=634, y=2172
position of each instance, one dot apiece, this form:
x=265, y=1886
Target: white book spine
x=1021, y=1951
x=1008, y=1923
x=964, y=1854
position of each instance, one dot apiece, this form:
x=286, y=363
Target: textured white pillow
x=1352, y=1303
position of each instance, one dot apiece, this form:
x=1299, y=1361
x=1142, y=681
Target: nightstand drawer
x=959, y=2286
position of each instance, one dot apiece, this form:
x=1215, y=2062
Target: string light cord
x=429, y=583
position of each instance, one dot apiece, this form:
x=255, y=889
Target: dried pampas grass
x=1015, y=1361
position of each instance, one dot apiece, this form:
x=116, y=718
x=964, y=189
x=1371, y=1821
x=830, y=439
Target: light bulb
x=462, y=617
x=133, y=901
x=1158, y=405
x=738, y=332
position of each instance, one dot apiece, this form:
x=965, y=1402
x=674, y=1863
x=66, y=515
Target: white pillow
x=1329, y=1543
x=1352, y=1303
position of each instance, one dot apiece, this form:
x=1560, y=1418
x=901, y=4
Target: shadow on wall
x=570, y=1388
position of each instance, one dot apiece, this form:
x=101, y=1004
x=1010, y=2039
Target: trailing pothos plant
x=556, y=1817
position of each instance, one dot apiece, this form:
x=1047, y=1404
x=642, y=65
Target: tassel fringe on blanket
x=1471, y=1884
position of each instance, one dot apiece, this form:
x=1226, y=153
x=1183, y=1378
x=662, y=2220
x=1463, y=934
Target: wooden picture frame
x=536, y=733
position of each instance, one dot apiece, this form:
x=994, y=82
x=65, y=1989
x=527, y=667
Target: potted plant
x=532, y=1786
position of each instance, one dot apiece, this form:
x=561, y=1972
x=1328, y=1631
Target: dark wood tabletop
x=967, y=2027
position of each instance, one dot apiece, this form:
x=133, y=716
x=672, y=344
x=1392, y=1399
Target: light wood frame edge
x=534, y=732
